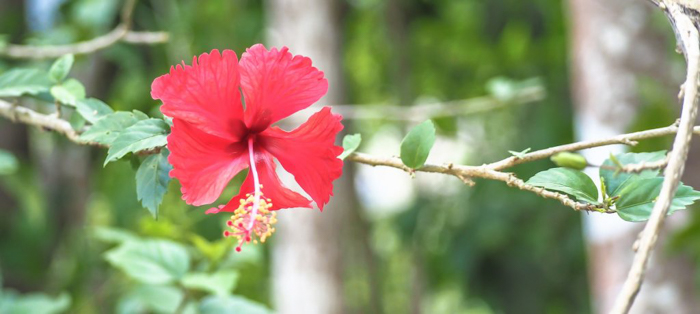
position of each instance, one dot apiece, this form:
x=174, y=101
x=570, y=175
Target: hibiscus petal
x=277, y=84
x=309, y=154
x=205, y=94
x=203, y=163
x=273, y=188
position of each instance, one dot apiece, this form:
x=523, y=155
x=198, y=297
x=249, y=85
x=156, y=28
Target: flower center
x=253, y=216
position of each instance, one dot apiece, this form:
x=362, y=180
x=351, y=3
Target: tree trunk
x=611, y=44
x=307, y=269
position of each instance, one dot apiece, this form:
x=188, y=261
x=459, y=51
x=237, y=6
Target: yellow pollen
x=262, y=221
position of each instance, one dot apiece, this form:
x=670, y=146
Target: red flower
x=215, y=135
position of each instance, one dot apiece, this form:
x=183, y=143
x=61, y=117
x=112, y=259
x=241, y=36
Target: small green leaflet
x=350, y=144
x=106, y=129
x=152, y=180
x=219, y=283
x=92, y=109
x=18, y=82
x=230, y=305
x=615, y=180
x=154, y=298
x=417, y=144
x=8, y=162
x=151, y=261
x=60, y=69
x=569, y=181
x=638, y=196
x=520, y=154
x=69, y=92
x=34, y=303
x=145, y=134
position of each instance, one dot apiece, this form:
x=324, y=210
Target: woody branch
x=684, y=15
x=121, y=33
x=493, y=171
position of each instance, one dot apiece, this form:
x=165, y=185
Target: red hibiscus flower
x=216, y=134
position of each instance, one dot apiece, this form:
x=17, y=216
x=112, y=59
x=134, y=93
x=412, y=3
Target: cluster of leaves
x=415, y=146
x=124, y=133
x=630, y=195
x=170, y=277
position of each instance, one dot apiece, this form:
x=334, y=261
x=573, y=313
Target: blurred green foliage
x=486, y=249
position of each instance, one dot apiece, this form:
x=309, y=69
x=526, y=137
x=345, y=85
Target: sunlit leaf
x=92, y=109
x=350, y=143
x=219, y=283
x=231, y=305
x=569, y=181
x=614, y=180
x=417, y=144
x=638, y=196
x=18, y=82
x=60, y=68
x=151, y=261
x=145, y=134
x=107, y=128
x=151, y=298
x=37, y=303
x=69, y=92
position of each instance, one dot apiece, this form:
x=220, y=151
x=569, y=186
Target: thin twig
x=636, y=168
x=420, y=112
x=482, y=172
x=120, y=33
x=628, y=139
x=687, y=32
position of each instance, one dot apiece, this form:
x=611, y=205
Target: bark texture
x=307, y=257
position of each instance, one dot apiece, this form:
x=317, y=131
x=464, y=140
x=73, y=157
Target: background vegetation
x=473, y=250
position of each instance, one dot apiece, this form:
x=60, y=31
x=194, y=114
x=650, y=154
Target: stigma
x=253, y=220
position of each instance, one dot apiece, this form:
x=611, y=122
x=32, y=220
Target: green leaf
x=77, y=122
x=219, y=283
x=416, y=146
x=638, y=196
x=151, y=261
x=615, y=180
x=140, y=115
x=60, y=69
x=114, y=235
x=107, y=129
x=569, y=181
x=231, y=305
x=8, y=163
x=147, y=298
x=69, y=92
x=350, y=144
x=213, y=251
x=145, y=134
x=152, y=180
x=39, y=303
x=520, y=154
x=18, y=82
x=570, y=160
x=92, y=109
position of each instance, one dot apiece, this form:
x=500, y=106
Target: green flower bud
x=570, y=160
